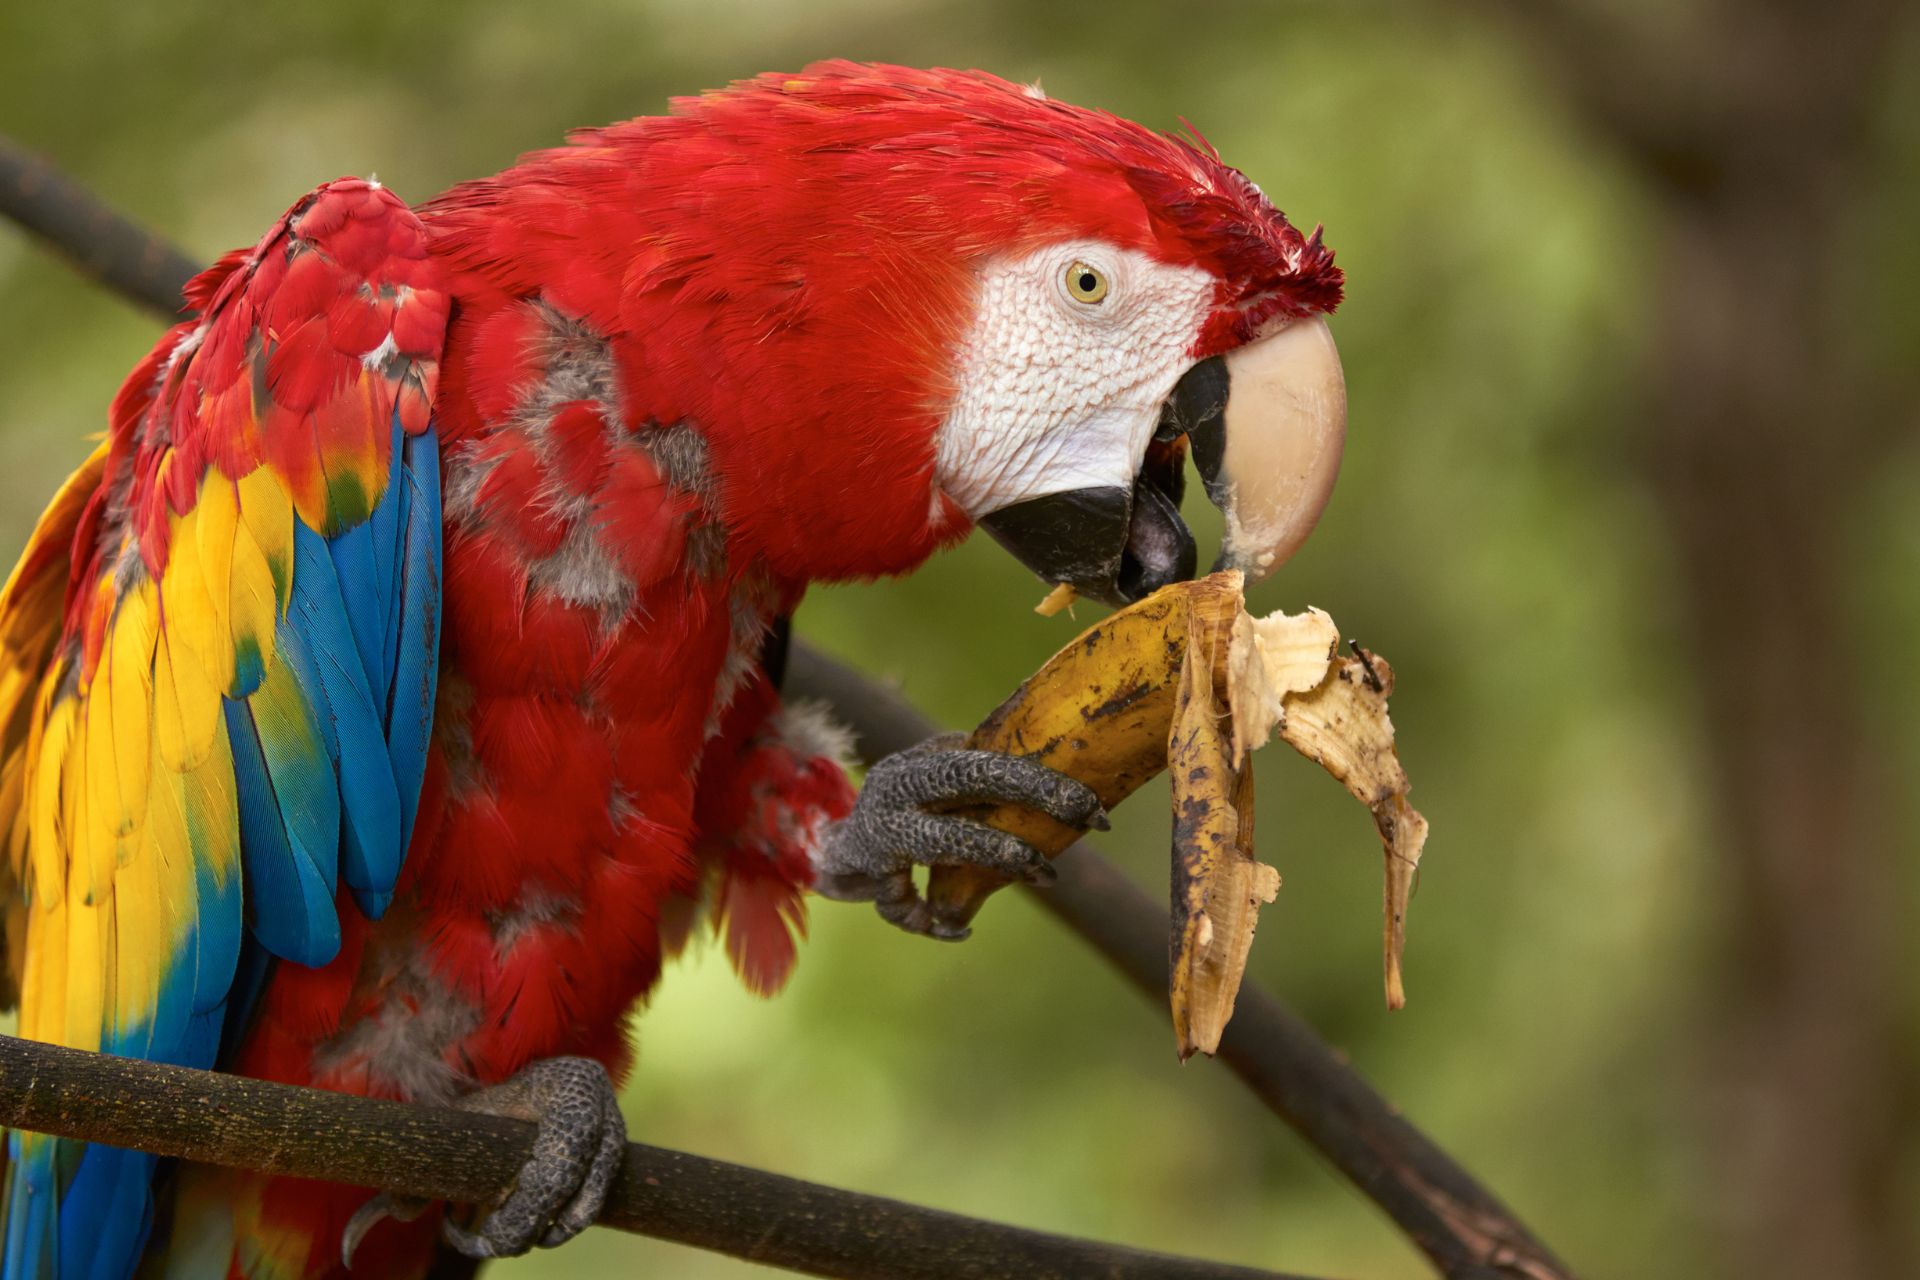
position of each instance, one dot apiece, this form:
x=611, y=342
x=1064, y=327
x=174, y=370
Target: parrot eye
x=1086, y=283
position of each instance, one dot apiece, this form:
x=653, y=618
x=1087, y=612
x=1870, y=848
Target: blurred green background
x=1630, y=502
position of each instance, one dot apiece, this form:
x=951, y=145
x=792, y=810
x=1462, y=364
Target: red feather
x=577, y=441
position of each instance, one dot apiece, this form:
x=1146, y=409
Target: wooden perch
x=443, y=1154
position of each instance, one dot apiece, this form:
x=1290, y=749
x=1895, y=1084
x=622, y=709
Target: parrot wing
x=217, y=665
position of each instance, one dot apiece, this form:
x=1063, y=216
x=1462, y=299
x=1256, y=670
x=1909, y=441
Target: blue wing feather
x=330, y=671
x=106, y=1211
x=385, y=527
x=33, y=1207
x=409, y=705
x=355, y=570
x=219, y=926
x=290, y=897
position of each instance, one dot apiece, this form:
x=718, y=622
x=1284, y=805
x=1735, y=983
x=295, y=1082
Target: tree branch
x=442, y=1154
x=1451, y=1217
x=100, y=244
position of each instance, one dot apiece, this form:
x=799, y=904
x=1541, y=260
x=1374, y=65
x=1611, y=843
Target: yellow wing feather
x=143, y=936
x=129, y=674
x=48, y=843
x=189, y=672
x=90, y=796
x=43, y=981
x=213, y=521
x=89, y=965
x=32, y=608
x=186, y=703
x=210, y=801
x=260, y=542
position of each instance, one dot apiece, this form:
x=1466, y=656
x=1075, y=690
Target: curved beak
x=1266, y=424
x=1267, y=442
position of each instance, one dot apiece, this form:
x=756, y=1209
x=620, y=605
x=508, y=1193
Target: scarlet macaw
x=376, y=698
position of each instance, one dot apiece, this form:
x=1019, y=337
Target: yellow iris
x=1086, y=283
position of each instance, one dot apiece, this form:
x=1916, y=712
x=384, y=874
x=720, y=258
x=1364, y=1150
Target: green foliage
x=1486, y=537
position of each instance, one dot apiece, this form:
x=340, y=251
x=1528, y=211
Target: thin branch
x=1447, y=1213
x=101, y=244
x=442, y=1154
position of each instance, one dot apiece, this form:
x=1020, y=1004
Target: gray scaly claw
x=869, y=855
x=577, y=1150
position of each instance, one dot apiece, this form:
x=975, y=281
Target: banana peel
x=1187, y=678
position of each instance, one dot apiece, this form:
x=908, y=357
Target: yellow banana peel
x=1187, y=679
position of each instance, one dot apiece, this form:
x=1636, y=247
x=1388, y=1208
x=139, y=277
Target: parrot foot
x=869, y=855
x=577, y=1150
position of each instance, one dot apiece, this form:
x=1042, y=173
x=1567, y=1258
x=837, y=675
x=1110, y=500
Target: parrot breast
x=595, y=627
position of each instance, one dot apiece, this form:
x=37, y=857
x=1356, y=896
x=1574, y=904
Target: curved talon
x=896, y=823
x=371, y=1214
x=576, y=1154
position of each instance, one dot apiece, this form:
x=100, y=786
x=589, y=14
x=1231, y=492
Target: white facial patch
x=1054, y=392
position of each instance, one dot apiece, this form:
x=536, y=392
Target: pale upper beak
x=1270, y=458
x=1266, y=424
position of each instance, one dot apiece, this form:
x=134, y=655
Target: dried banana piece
x=1284, y=674
x=1061, y=597
x=1342, y=725
x=1218, y=885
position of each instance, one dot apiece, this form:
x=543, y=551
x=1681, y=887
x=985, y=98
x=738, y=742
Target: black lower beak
x=1109, y=544
x=1159, y=548
x=1077, y=538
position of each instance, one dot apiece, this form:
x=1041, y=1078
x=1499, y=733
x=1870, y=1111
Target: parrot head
x=903, y=303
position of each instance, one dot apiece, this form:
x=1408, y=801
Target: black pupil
x=1087, y=282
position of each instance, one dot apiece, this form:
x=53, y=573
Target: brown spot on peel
x=1218, y=885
